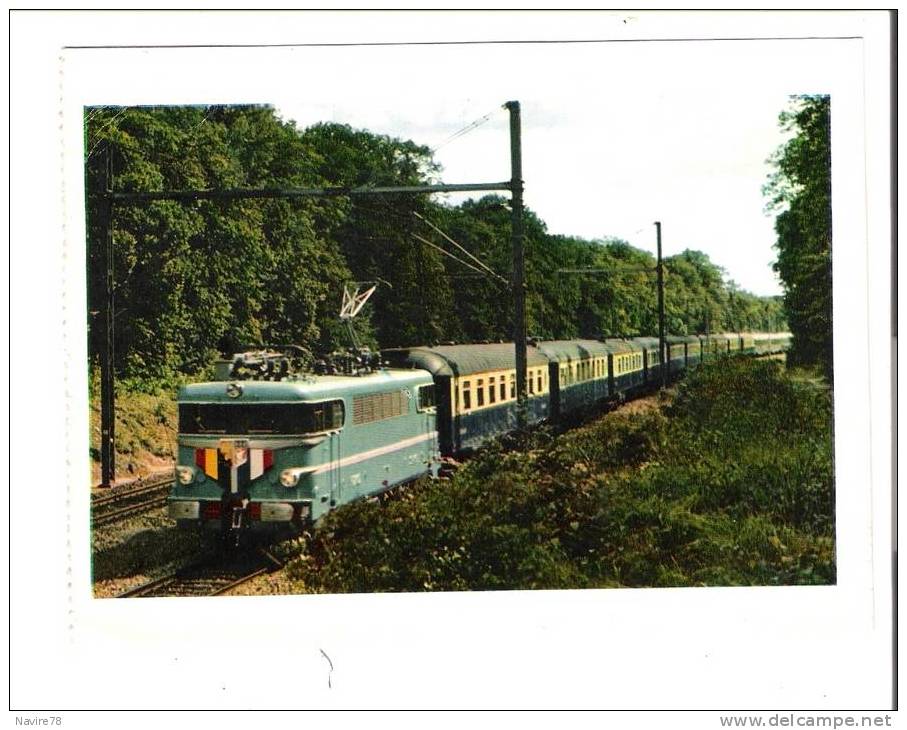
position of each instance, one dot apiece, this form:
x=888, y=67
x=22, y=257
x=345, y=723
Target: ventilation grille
x=378, y=406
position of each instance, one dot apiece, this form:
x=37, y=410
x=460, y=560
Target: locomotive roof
x=312, y=388
x=462, y=359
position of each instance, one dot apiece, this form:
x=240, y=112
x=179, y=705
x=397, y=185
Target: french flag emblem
x=258, y=460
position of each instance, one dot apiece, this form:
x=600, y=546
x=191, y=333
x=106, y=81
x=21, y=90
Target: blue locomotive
x=267, y=443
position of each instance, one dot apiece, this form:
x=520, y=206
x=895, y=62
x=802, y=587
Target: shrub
x=729, y=484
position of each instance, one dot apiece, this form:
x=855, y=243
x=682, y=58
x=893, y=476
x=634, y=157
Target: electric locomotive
x=269, y=445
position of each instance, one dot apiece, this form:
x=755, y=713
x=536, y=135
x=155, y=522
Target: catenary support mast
x=661, y=311
x=519, y=287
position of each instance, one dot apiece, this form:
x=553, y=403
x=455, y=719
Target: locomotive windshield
x=259, y=418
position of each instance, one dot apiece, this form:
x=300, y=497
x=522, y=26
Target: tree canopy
x=194, y=279
x=799, y=191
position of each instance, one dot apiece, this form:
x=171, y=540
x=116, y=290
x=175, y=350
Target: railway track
x=134, y=499
x=211, y=577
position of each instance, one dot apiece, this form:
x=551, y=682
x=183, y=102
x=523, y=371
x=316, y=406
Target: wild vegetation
x=799, y=191
x=193, y=279
x=731, y=483
x=145, y=431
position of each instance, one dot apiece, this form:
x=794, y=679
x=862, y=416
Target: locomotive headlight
x=185, y=474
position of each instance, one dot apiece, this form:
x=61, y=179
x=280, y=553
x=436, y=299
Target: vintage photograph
x=556, y=341
x=452, y=360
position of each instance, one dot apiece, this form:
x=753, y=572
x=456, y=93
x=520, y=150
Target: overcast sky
x=615, y=136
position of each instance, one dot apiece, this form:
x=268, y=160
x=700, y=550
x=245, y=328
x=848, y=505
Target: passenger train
x=268, y=444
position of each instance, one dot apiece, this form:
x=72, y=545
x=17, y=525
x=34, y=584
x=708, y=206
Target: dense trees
x=195, y=278
x=799, y=190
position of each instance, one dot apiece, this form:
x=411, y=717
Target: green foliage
x=799, y=190
x=196, y=278
x=731, y=485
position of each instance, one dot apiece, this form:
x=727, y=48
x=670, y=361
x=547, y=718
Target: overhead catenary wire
x=485, y=271
x=99, y=139
x=467, y=129
x=487, y=268
x=448, y=254
x=609, y=272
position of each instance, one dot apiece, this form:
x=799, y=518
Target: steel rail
x=204, y=578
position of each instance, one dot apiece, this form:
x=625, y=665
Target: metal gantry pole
x=108, y=453
x=519, y=286
x=661, y=311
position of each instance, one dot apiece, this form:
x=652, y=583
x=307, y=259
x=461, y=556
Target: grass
x=145, y=429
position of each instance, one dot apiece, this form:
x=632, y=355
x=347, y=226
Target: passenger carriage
x=747, y=343
x=651, y=359
x=476, y=389
x=684, y=352
x=627, y=371
x=715, y=345
x=578, y=373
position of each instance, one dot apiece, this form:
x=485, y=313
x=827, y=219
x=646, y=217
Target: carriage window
x=467, y=396
x=491, y=390
x=426, y=397
x=503, y=387
x=480, y=393
x=512, y=385
x=539, y=381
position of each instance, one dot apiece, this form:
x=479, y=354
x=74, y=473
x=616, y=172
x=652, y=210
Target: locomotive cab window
x=426, y=397
x=260, y=418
